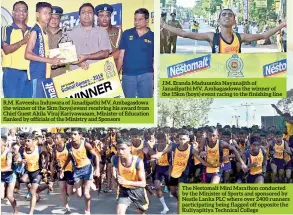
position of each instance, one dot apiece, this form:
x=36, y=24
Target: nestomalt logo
x=189, y=66
x=49, y=88
x=72, y=19
x=275, y=68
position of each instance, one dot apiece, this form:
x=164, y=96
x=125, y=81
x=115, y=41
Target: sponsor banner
x=189, y=66
x=223, y=65
x=72, y=19
x=275, y=68
x=101, y=80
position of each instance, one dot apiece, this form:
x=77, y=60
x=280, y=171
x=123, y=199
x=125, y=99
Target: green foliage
x=181, y=112
x=287, y=103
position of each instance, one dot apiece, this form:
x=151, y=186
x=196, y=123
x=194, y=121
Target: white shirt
x=10, y=140
x=240, y=29
x=254, y=30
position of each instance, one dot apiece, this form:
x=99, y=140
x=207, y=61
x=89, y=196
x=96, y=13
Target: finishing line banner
x=223, y=65
x=101, y=80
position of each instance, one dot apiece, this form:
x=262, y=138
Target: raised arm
x=195, y=36
x=265, y=35
x=277, y=109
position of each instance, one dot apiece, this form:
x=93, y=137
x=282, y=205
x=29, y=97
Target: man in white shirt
x=240, y=28
x=11, y=138
x=254, y=30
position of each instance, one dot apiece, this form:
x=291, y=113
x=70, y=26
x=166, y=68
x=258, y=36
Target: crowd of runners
x=137, y=163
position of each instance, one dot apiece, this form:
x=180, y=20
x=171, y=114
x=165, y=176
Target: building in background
x=269, y=121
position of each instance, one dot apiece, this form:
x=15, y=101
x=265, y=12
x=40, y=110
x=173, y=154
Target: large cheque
x=101, y=80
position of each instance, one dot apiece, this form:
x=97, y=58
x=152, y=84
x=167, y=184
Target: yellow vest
x=213, y=157
x=62, y=157
x=232, y=48
x=259, y=160
x=16, y=59
x=180, y=161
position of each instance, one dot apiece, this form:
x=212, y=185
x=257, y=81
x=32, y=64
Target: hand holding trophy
x=66, y=50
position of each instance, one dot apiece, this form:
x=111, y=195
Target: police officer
x=164, y=36
x=104, y=12
x=172, y=41
x=54, y=35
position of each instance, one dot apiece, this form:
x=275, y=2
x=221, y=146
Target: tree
x=287, y=103
x=214, y=4
x=206, y=7
x=262, y=14
x=181, y=112
x=198, y=11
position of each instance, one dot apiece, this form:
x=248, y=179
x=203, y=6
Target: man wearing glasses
x=80, y=151
x=226, y=41
x=136, y=57
x=13, y=44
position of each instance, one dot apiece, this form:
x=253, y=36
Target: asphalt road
x=100, y=204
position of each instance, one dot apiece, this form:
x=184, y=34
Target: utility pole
x=237, y=120
x=247, y=117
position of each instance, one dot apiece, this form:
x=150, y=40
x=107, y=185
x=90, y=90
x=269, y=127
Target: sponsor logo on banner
x=72, y=19
x=275, y=68
x=49, y=88
x=189, y=66
x=235, y=67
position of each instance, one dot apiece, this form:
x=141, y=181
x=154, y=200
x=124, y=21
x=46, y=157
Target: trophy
x=66, y=50
x=64, y=38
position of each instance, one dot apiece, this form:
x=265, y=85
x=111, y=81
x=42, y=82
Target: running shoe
x=165, y=211
x=28, y=195
x=166, y=189
x=67, y=211
x=7, y=202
